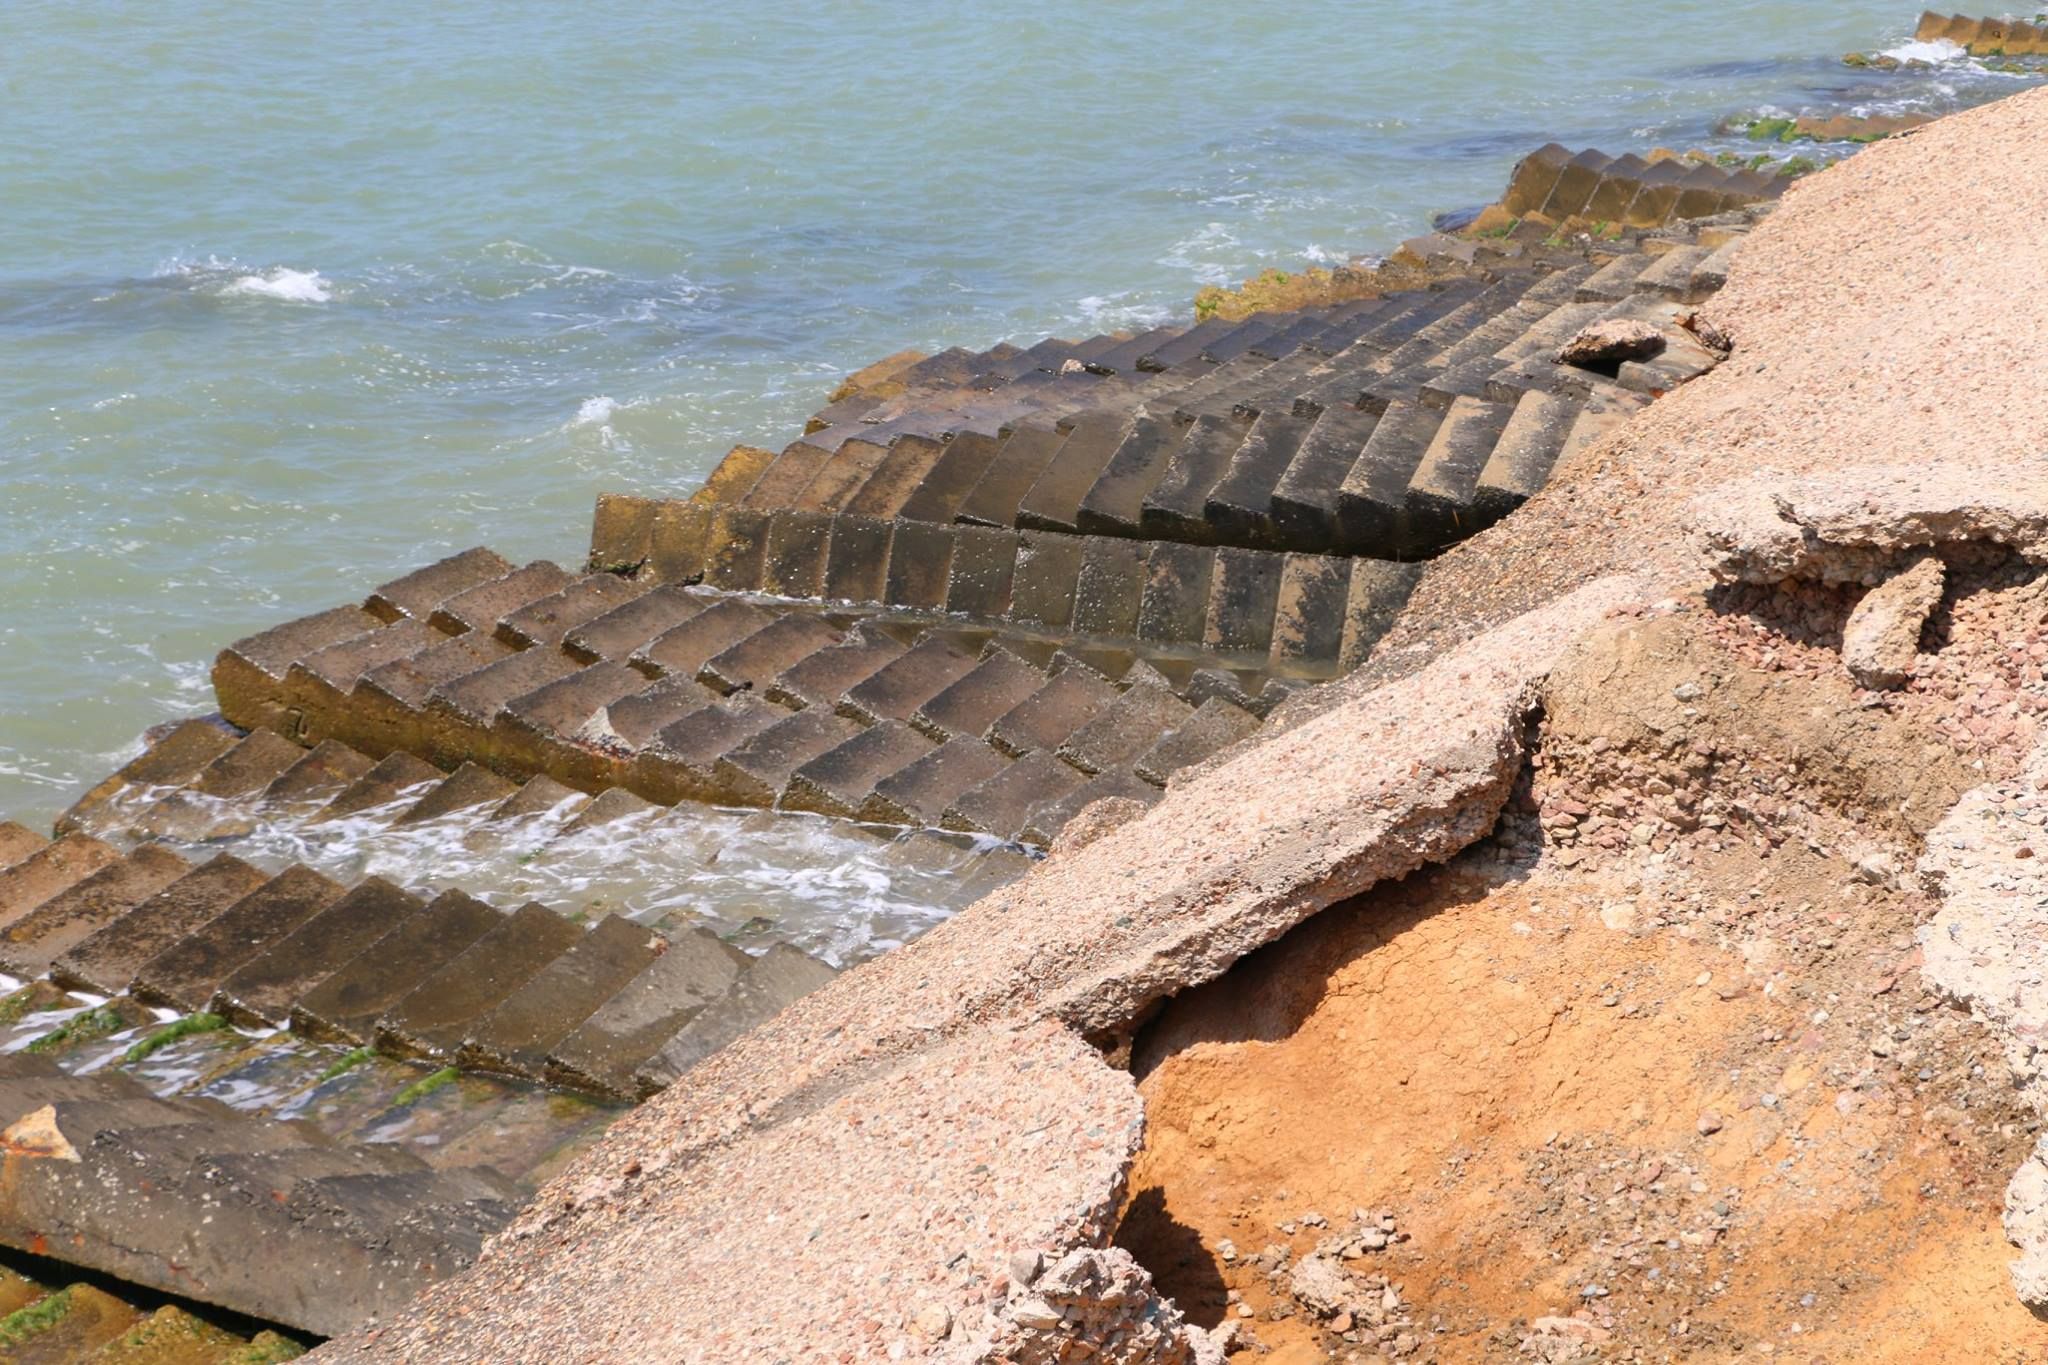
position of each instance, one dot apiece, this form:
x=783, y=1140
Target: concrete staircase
x=1628, y=190
x=1261, y=433
x=609, y=1006
x=997, y=720
x=1985, y=37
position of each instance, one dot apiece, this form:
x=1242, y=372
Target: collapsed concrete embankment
x=1872, y=319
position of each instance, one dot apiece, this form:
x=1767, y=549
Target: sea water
x=295, y=297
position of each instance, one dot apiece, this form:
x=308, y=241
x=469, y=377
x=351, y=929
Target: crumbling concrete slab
x=1856, y=525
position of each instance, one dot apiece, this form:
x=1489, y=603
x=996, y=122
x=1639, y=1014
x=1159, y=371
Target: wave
x=283, y=282
x=1935, y=53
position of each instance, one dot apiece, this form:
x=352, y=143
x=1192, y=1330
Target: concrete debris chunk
x=1882, y=637
x=1611, y=341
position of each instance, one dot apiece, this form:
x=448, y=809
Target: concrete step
x=48, y=872
x=978, y=698
x=1128, y=727
x=17, y=841
x=1523, y=456
x=1174, y=509
x=467, y=788
x=1445, y=483
x=1045, y=580
x=1244, y=592
x=921, y=791
x=1174, y=606
x=1003, y=805
x=461, y=712
x=1114, y=504
x=735, y=475
x=910, y=460
x=416, y=594
x=1671, y=274
x=1109, y=588
x=481, y=608
x=920, y=565
x=684, y=650
x=982, y=573
x=248, y=673
x=1054, y=500
x=259, y=759
x=777, y=979
x=546, y=621
x=392, y=783
x=261, y=992
x=758, y=659
x=345, y=1006
x=1372, y=502
x=550, y=728
x=841, y=781
x=1051, y=714
x=517, y=1037
x=1125, y=357
x=433, y=1019
x=857, y=559
x=107, y=960
x=898, y=688
x=756, y=771
x=1378, y=590
x=1240, y=506
x=387, y=708
x=31, y=943
x=630, y=723
x=795, y=553
x=1022, y=458
x=1051, y=816
x=1215, y=725
x=945, y=487
x=1188, y=345
x=822, y=678
x=677, y=764
x=781, y=483
x=171, y=761
x=1308, y=613
x=1304, y=498
x=606, y=1051
x=186, y=974
x=838, y=477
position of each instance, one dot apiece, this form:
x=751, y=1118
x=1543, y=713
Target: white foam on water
x=1935, y=53
x=596, y=410
x=286, y=284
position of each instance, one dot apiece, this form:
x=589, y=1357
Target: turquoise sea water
x=294, y=297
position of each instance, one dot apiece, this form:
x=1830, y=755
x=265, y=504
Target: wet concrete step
x=108, y=960
x=388, y=785
x=1377, y=591
x=345, y=1006
x=432, y=1020
x=759, y=658
x=1045, y=822
x=821, y=678
x=186, y=975
x=1052, y=713
x=1215, y=725
x=1002, y=805
x=1129, y=726
x=734, y=475
x=842, y=780
x=1308, y=614
x=978, y=698
x=898, y=688
x=261, y=992
x=772, y=982
x=48, y=872
x=175, y=759
x=481, y=608
x=608, y=1049
x=32, y=942
x=756, y=771
x=1022, y=458
x=517, y=1036
x=921, y=791
x=1115, y=502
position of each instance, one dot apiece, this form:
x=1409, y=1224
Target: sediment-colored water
x=294, y=299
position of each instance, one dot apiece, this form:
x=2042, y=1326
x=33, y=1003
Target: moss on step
x=172, y=1032
x=425, y=1086
x=97, y=1022
x=169, y=1335
x=348, y=1061
x=39, y=1317
x=265, y=1348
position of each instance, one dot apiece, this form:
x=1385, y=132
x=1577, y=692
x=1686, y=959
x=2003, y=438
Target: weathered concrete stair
x=1985, y=37
x=445, y=978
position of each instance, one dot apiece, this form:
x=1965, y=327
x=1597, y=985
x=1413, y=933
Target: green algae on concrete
x=265, y=1348
x=348, y=1061
x=425, y=1086
x=97, y=1022
x=202, y=1022
x=24, y=1323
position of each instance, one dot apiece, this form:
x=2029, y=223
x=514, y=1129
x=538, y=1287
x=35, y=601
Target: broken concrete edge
x=1986, y=948
x=1855, y=526
x=1081, y=948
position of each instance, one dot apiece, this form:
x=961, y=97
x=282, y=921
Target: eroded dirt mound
x=1651, y=1074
